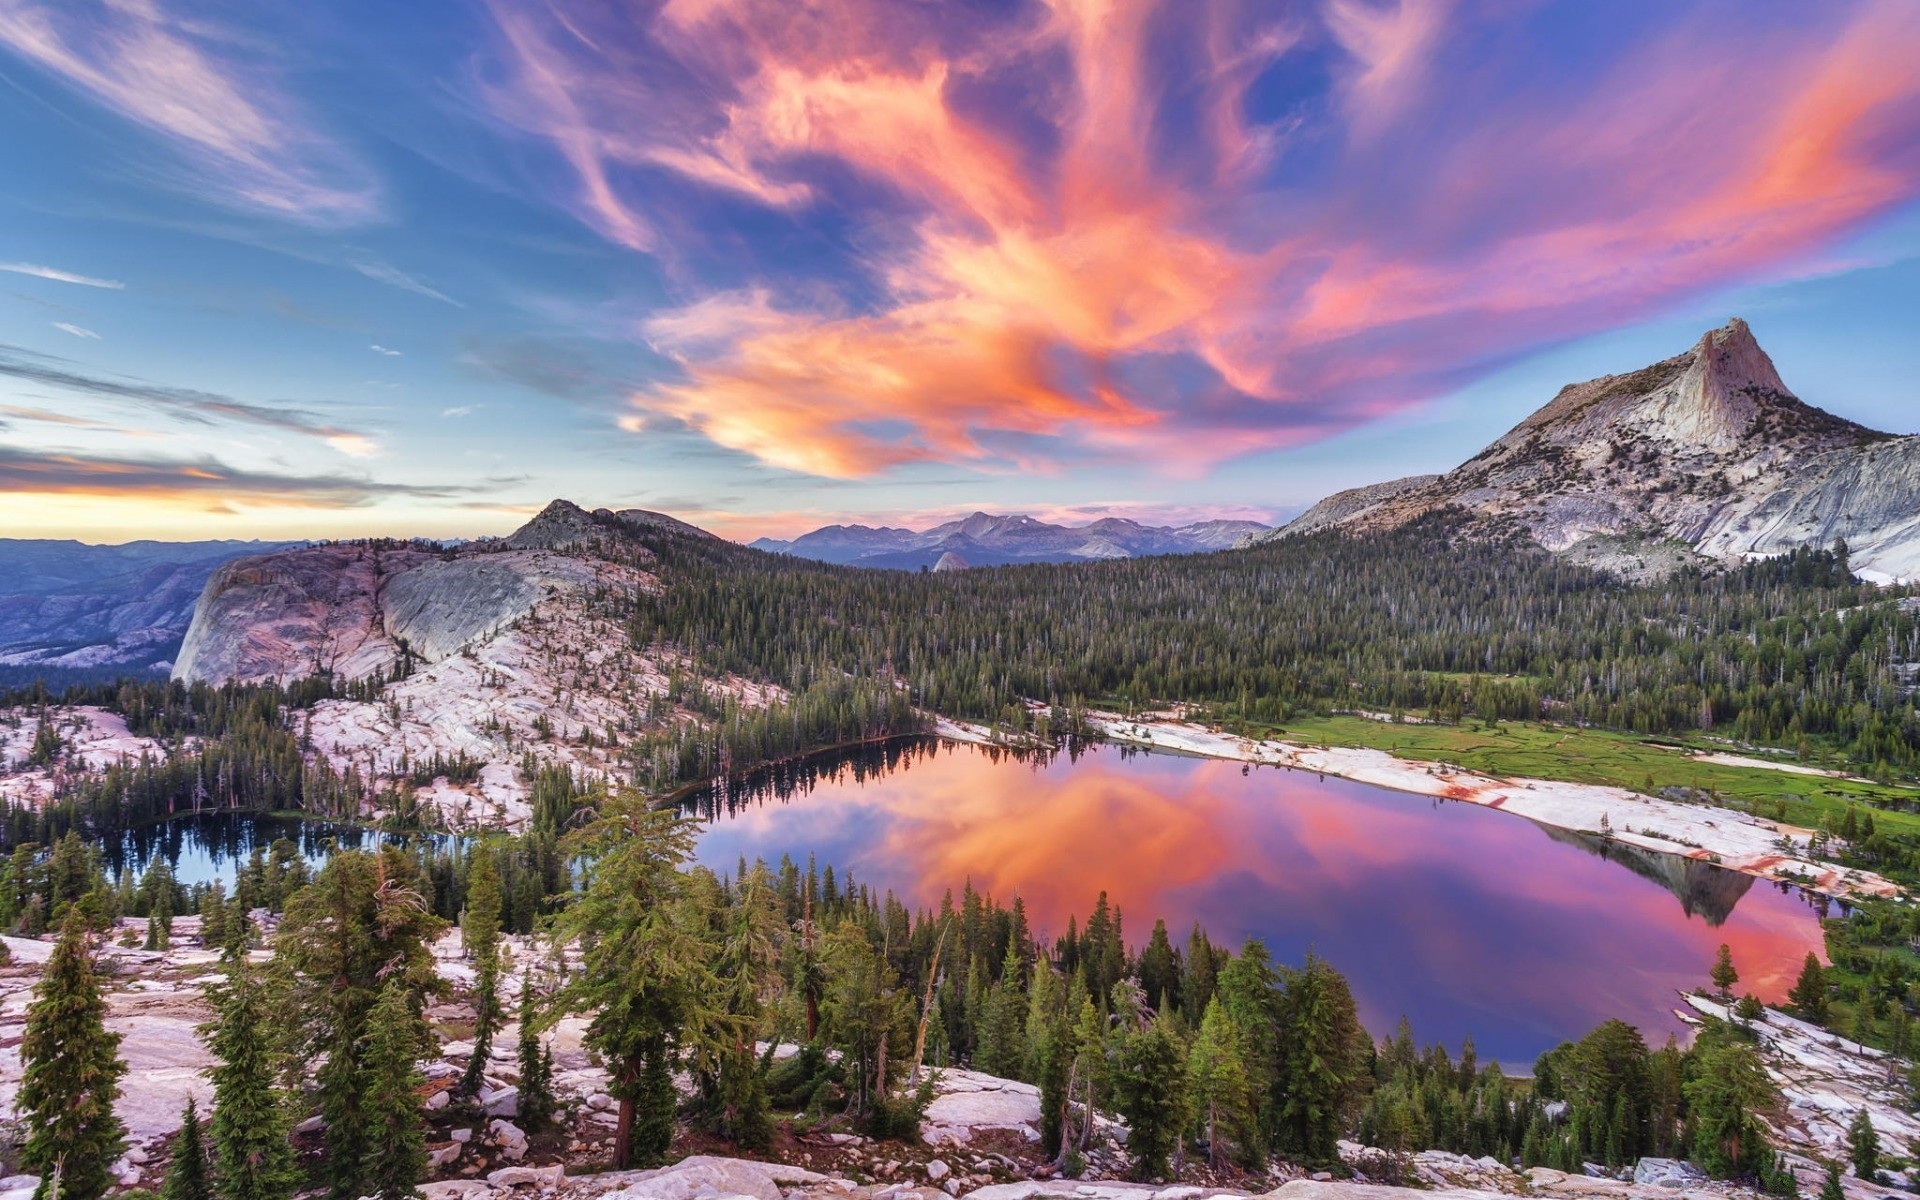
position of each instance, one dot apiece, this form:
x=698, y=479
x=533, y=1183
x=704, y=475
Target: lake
x=1468, y=921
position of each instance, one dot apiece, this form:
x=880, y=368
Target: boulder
x=1668, y=1173
x=501, y=1102
x=705, y=1177
x=552, y=1176
x=937, y=1170
x=1313, y=1189
x=509, y=1137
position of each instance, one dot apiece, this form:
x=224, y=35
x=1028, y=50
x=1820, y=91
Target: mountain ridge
x=990, y=539
x=1708, y=449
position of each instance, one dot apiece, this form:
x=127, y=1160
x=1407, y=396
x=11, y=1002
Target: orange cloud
x=1074, y=239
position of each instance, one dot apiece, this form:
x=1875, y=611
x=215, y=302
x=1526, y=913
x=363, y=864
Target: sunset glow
x=864, y=257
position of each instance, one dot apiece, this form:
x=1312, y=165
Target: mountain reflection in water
x=1466, y=920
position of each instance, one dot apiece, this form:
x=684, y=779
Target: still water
x=1466, y=920
x=212, y=847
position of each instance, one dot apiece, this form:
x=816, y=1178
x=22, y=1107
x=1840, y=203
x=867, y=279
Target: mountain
x=1704, y=456
x=984, y=539
x=66, y=605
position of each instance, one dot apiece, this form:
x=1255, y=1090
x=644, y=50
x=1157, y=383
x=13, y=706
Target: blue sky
x=350, y=268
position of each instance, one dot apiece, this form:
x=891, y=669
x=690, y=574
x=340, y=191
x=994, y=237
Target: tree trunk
x=623, y=1130
x=926, y=1007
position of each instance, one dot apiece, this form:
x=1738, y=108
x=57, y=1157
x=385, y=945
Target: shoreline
x=1738, y=841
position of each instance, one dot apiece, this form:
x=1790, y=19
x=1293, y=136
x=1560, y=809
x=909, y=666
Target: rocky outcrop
x=440, y=606
x=64, y=605
x=293, y=614
x=1342, y=507
x=951, y=562
x=1707, y=450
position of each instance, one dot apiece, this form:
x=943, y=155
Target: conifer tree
x=1221, y=1102
x=643, y=965
x=1728, y=1086
x=71, y=1075
x=1724, y=975
x=1809, y=994
x=1160, y=972
x=745, y=968
x=536, y=1063
x=1321, y=1054
x=252, y=1156
x=1863, y=1145
x=187, y=1174
x=1830, y=1187
x=1150, y=1090
x=480, y=928
x=360, y=926
x=396, y=1155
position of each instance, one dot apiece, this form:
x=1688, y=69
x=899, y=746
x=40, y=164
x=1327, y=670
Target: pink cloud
x=1056, y=277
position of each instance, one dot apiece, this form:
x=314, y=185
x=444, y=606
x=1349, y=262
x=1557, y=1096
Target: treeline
x=1789, y=651
x=1209, y=1055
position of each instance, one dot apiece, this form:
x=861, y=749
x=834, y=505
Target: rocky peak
x=561, y=523
x=1707, y=449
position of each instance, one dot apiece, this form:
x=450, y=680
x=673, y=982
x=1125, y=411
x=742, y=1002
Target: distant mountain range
x=68, y=605
x=984, y=540
x=1703, y=457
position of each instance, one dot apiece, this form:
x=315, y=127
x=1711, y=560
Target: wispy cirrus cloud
x=79, y=331
x=58, y=473
x=59, y=276
x=186, y=404
x=393, y=276
x=1170, y=233
x=176, y=76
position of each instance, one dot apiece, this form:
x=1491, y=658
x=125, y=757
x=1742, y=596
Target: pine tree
x=359, y=927
x=396, y=1118
x=1831, y=1188
x=252, y=1157
x=1724, y=975
x=643, y=962
x=1863, y=1145
x=1729, y=1085
x=71, y=1075
x=1220, y=1099
x=187, y=1174
x=1322, y=1051
x=480, y=927
x=536, y=1064
x=1150, y=1090
x=1160, y=971
x=1809, y=994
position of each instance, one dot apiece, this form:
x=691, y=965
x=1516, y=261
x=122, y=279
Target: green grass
x=1621, y=760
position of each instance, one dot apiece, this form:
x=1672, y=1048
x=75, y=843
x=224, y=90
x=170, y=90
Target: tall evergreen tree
x=1863, y=1146
x=396, y=1155
x=1150, y=1090
x=187, y=1174
x=1321, y=1056
x=252, y=1156
x=1221, y=1103
x=480, y=928
x=1809, y=994
x=1729, y=1085
x=536, y=1063
x=71, y=1075
x=1724, y=975
x=362, y=924
x=1160, y=972
x=643, y=965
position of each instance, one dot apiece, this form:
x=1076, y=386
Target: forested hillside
x=1787, y=652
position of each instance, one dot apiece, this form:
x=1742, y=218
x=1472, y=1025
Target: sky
x=354, y=267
